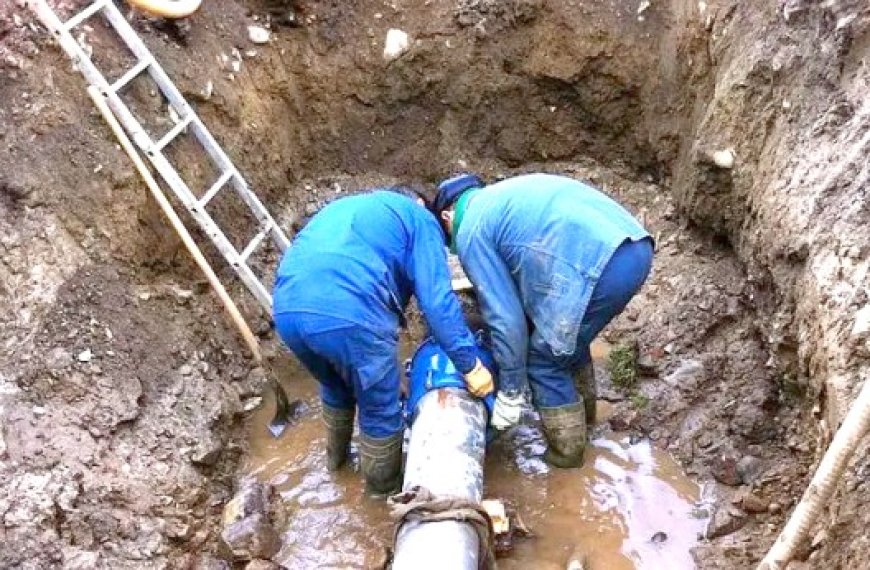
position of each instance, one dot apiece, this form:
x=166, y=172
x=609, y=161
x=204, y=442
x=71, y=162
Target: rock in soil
x=724, y=470
x=262, y=565
x=251, y=499
x=749, y=468
x=725, y=521
x=250, y=538
x=248, y=532
x=752, y=503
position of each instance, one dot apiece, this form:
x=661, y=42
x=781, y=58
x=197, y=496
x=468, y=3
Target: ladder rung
x=130, y=75
x=182, y=124
x=215, y=188
x=256, y=241
x=85, y=14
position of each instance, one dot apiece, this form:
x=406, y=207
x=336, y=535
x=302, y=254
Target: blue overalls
x=552, y=261
x=341, y=291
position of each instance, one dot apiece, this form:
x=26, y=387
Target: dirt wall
x=790, y=99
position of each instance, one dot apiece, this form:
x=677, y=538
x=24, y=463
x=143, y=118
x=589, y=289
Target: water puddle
x=629, y=507
x=330, y=523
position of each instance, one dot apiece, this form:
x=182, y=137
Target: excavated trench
x=737, y=133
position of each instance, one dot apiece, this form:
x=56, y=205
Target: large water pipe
x=445, y=457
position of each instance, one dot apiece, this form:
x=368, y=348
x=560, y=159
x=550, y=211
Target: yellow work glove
x=479, y=380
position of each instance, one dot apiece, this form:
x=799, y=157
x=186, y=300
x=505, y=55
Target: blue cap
x=450, y=189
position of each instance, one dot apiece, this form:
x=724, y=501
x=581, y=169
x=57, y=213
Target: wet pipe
x=445, y=456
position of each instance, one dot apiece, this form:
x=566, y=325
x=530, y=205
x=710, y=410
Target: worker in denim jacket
x=552, y=261
x=339, y=298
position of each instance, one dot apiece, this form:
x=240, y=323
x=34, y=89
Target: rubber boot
x=584, y=381
x=565, y=430
x=339, y=429
x=381, y=459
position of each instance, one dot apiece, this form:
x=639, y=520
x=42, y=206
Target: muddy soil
x=629, y=507
x=122, y=385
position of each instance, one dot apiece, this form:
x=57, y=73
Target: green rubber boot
x=565, y=430
x=584, y=381
x=381, y=460
x=339, y=429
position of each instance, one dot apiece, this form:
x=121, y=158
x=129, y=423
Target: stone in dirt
x=578, y=559
x=57, y=359
x=251, y=537
x=211, y=563
x=396, y=43
x=258, y=35
x=749, y=468
x=207, y=452
x=248, y=532
x=752, y=503
x=724, y=470
x=724, y=522
x=688, y=375
x=78, y=559
x=252, y=498
x=724, y=158
x=262, y=565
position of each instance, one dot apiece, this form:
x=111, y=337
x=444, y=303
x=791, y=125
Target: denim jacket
x=534, y=247
x=361, y=258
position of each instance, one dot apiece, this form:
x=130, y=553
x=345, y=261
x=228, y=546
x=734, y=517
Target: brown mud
x=123, y=387
x=629, y=507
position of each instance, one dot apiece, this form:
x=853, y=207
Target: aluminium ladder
x=154, y=149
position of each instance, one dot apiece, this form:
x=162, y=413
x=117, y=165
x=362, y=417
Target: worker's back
x=554, y=236
x=351, y=260
x=561, y=215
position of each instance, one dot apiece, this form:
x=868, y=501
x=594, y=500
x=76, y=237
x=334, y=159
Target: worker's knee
x=337, y=395
x=552, y=387
x=381, y=422
x=380, y=411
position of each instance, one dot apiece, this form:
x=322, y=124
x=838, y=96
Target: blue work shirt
x=362, y=257
x=534, y=247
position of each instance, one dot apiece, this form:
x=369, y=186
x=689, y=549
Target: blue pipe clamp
x=430, y=368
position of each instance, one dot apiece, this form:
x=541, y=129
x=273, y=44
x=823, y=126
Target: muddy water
x=628, y=507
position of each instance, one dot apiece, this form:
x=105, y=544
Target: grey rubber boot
x=381, y=459
x=584, y=381
x=339, y=429
x=565, y=430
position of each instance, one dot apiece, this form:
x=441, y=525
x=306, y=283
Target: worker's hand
x=479, y=380
x=507, y=411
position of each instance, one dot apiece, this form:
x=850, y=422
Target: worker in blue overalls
x=339, y=298
x=552, y=261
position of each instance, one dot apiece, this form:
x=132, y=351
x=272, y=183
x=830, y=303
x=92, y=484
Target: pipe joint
x=431, y=369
